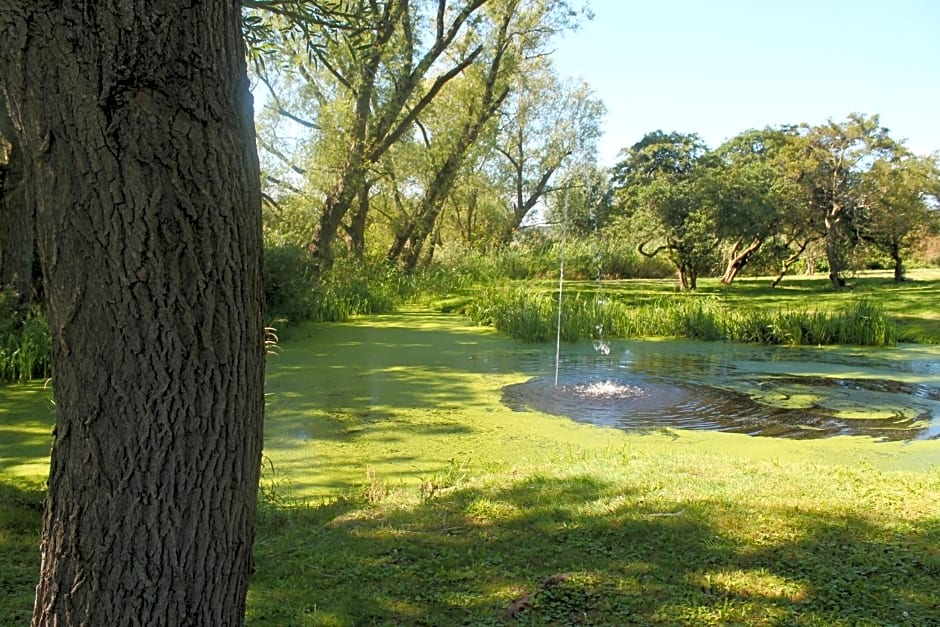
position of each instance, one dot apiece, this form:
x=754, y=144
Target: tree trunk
x=792, y=259
x=898, y=264
x=835, y=264
x=683, y=278
x=832, y=249
x=358, y=221
x=738, y=259
x=136, y=126
x=431, y=206
x=17, y=235
x=335, y=209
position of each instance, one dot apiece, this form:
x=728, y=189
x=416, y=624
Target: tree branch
x=284, y=184
x=395, y=133
x=280, y=155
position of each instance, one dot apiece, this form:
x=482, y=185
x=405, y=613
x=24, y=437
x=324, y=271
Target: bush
x=25, y=343
x=289, y=284
x=294, y=293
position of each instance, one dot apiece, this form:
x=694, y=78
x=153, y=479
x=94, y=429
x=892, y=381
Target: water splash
x=602, y=347
x=608, y=389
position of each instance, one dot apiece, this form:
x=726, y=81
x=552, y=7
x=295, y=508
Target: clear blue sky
x=719, y=67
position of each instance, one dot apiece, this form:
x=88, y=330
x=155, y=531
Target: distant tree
x=545, y=124
x=665, y=186
x=135, y=123
x=476, y=216
x=896, y=198
x=832, y=159
x=656, y=154
x=581, y=199
x=755, y=204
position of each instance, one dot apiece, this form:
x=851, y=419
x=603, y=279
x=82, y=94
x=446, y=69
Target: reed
x=530, y=314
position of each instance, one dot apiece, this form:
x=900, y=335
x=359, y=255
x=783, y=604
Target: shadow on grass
x=464, y=555
x=21, y=505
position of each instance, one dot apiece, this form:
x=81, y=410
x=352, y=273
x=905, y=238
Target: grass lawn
x=398, y=490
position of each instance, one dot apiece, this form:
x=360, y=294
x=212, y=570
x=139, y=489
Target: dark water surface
x=887, y=394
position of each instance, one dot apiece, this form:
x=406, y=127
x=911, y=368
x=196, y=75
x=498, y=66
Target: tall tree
x=666, y=188
x=480, y=92
x=376, y=77
x=135, y=123
x=896, y=197
x=546, y=124
x=833, y=158
x=755, y=196
x=512, y=41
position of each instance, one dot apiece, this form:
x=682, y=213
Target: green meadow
x=398, y=489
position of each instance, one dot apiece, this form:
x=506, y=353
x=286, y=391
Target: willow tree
x=362, y=90
x=546, y=124
x=470, y=102
x=135, y=124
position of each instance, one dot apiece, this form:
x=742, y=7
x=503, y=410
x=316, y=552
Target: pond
x=792, y=392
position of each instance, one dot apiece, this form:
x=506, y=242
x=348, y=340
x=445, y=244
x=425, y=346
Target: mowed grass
x=398, y=490
x=643, y=535
x=413, y=497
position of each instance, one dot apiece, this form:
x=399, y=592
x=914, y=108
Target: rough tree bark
x=135, y=121
x=738, y=258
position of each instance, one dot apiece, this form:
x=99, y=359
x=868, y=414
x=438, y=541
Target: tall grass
x=531, y=315
x=294, y=292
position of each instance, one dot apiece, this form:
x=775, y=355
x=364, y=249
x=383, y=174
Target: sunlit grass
x=641, y=535
x=399, y=490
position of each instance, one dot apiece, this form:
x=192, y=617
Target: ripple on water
x=642, y=403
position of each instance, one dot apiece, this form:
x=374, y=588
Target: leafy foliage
x=25, y=344
x=295, y=292
x=666, y=188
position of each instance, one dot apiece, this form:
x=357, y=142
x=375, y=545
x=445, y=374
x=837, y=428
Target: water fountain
x=758, y=390
x=745, y=389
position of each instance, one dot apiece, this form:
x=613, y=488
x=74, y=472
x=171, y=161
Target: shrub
x=289, y=284
x=25, y=343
